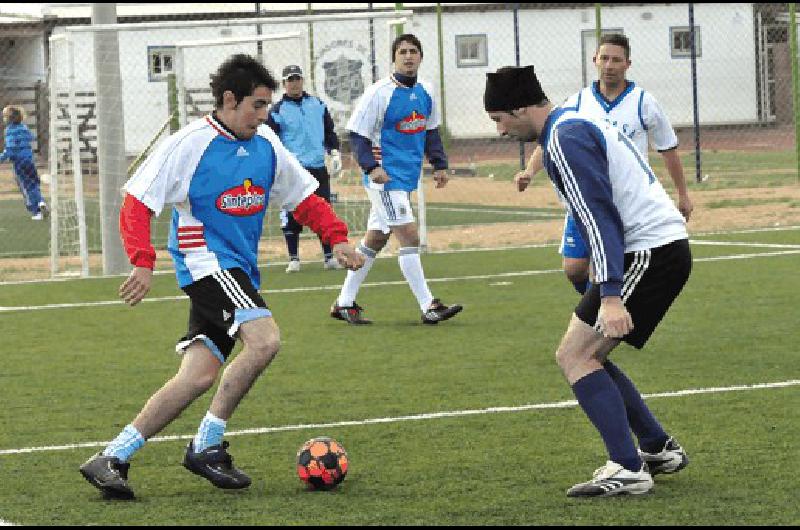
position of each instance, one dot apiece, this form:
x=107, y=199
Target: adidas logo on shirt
x=413, y=97
x=225, y=315
x=242, y=152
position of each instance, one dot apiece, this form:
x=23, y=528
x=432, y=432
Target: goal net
x=165, y=71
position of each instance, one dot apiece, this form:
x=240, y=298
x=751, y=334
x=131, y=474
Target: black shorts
x=653, y=279
x=221, y=303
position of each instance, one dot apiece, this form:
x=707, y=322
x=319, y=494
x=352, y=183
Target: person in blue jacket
x=18, y=151
x=305, y=127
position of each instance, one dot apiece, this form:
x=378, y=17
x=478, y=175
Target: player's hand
x=613, y=317
x=441, y=178
x=522, y=180
x=336, y=163
x=685, y=206
x=348, y=257
x=136, y=286
x=379, y=176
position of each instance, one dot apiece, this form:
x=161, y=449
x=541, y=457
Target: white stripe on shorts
x=640, y=264
x=238, y=288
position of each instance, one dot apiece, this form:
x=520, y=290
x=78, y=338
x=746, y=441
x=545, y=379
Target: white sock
x=355, y=278
x=411, y=266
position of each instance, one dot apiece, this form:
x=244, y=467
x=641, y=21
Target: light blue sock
x=125, y=444
x=210, y=433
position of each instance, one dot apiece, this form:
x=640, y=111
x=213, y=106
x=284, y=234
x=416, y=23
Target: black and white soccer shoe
x=438, y=312
x=109, y=475
x=671, y=459
x=215, y=464
x=613, y=479
x=351, y=314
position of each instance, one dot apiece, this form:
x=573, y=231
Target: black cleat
x=109, y=475
x=351, y=314
x=216, y=465
x=438, y=312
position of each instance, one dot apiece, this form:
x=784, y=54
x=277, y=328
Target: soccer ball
x=322, y=463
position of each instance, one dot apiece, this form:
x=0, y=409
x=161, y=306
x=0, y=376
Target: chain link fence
x=740, y=95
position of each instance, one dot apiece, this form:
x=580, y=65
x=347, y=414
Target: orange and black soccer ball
x=322, y=463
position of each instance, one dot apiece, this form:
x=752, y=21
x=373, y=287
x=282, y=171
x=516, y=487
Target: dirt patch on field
x=715, y=210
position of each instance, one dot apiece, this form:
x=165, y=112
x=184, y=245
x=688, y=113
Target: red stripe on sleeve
x=318, y=215
x=134, y=229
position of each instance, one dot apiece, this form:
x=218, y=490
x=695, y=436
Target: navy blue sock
x=292, y=242
x=327, y=251
x=600, y=399
x=652, y=437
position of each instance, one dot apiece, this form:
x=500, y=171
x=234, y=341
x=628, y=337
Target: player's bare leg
x=197, y=374
x=108, y=471
x=261, y=339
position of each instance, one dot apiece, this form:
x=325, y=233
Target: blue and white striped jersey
x=396, y=118
x=610, y=190
x=220, y=187
x=634, y=111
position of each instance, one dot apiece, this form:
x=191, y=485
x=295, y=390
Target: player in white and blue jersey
x=637, y=113
x=219, y=172
x=394, y=124
x=641, y=261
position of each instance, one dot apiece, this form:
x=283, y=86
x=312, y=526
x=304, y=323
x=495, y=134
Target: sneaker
x=294, y=266
x=44, y=209
x=613, y=479
x=37, y=216
x=671, y=459
x=332, y=264
x=351, y=315
x=438, y=312
x=216, y=465
x=109, y=475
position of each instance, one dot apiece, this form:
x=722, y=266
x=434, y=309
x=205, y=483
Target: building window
x=160, y=62
x=471, y=50
x=681, y=42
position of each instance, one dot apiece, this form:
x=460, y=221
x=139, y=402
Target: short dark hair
x=240, y=74
x=409, y=38
x=617, y=39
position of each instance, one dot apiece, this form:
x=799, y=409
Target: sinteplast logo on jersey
x=247, y=199
x=343, y=70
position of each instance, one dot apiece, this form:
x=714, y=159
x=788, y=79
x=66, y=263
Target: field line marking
x=552, y=215
x=383, y=256
x=416, y=417
x=336, y=287
x=702, y=242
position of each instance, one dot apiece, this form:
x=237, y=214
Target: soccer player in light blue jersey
x=641, y=261
x=394, y=124
x=219, y=173
x=305, y=127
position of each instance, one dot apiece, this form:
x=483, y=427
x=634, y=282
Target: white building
x=732, y=66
